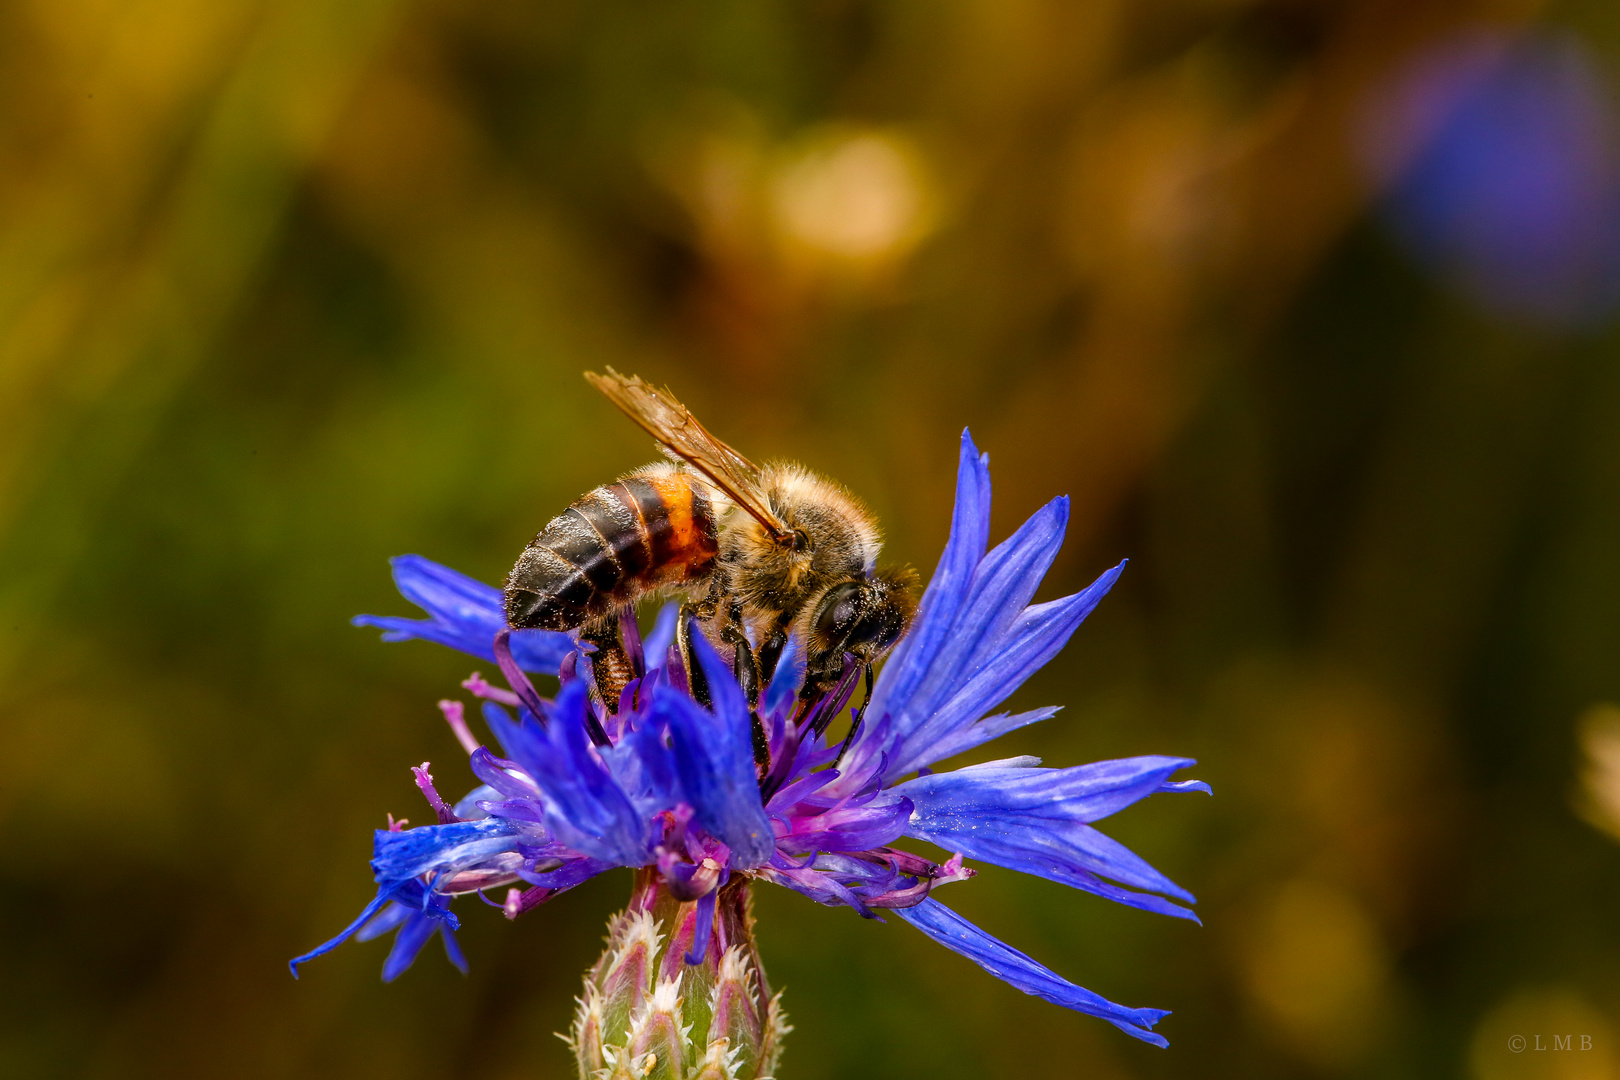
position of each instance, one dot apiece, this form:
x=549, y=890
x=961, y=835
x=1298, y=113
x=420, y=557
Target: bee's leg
x=703, y=611
x=744, y=666
x=706, y=608
x=611, y=662
x=866, y=703
x=695, y=680
x=770, y=654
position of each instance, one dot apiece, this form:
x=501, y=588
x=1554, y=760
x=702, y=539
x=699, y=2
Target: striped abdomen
x=654, y=527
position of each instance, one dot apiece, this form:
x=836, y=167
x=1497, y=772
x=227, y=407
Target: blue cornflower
x=674, y=791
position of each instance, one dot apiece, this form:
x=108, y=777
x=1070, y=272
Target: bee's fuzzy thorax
x=795, y=489
x=770, y=579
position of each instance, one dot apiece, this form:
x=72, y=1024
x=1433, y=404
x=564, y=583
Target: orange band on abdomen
x=681, y=526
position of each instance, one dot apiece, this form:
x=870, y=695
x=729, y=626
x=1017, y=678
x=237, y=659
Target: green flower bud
x=646, y=1014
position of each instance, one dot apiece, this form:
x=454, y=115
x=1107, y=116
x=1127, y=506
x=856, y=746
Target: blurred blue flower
x=1500, y=161
x=673, y=785
x=464, y=614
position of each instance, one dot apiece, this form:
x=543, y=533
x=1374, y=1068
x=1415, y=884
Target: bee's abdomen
x=655, y=527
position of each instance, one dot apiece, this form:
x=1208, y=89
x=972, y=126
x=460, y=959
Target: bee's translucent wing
x=674, y=426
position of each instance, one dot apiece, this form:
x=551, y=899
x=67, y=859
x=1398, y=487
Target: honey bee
x=758, y=554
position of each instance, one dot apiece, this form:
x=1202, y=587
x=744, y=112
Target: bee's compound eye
x=880, y=629
x=839, y=610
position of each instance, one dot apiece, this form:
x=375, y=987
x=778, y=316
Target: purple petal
x=703, y=928
x=498, y=774
x=830, y=889
x=849, y=828
x=570, y=873
x=513, y=672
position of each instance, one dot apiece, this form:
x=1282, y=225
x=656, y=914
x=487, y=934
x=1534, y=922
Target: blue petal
x=524, y=743
x=1008, y=964
x=389, y=919
x=1187, y=785
x=398, y=857
x=725, y=696
x=468, y=806
x=643, y=763
x=383, y=897
x=975, y=640
x=407, y=944
x=466, y=615
x=970, y=534
x=656, y=648
x=414, y=912
x=715, y=760
x=1035, y=821
x=1079, y=793
x=1003, y=584
x=971, y=736
x=1037, y=635
x=585, y=806
x=452, y=948
x=786, y=681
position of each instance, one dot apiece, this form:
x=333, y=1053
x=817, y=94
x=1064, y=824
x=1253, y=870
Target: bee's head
x=864, y=616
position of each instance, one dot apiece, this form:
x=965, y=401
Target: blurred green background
x=291, y=286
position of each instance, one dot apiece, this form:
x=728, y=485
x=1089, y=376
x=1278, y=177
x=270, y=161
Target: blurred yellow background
x=1309, y=304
